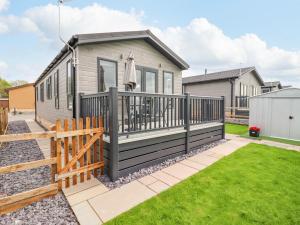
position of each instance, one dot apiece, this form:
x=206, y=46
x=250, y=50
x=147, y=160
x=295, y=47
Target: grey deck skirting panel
x=138, y=154
x=144, y=153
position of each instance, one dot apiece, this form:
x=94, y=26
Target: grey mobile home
x=143, y=127
x=236, y=85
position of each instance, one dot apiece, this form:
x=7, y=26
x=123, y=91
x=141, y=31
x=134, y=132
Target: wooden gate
x=83, y=155
x=74, y=151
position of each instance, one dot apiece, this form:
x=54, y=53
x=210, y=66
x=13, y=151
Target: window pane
x=168, y=83
x=55, y=84
x=70, y=101
x=150, y=82
x=138, y=87
x=69, y=78
x=42, y=91
x=107, y=76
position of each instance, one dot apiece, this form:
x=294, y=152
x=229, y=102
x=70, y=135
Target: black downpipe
x=231, y=97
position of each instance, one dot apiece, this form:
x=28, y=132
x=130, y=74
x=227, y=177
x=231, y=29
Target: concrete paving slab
x=203, y=159
x=192, y=164
x=166, y=178
x=214, y=154
x=81, y=186
x=180, y=171
x=158, y=186
x=85, y=214
x=116, y=201
x=86, y=194
x=147, y=180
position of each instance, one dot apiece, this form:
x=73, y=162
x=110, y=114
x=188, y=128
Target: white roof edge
x=271, y=92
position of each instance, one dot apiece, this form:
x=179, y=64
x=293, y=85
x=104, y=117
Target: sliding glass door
x=146, y=80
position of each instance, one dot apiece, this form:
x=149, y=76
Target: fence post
x=223, y=116
x=187, y=120
x=53, y=154
x=113, y=134
x=80, y=106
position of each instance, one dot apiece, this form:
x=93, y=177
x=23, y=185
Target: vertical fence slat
x=80, y=140
x=95, y=158
x=58, y=153
x=66, y=151
x=88, y=152
x=101, y=144
x=74, y=149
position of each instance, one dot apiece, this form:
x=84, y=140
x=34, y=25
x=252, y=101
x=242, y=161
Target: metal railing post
x=223, y=116
x=187, y=120
x=113, y=134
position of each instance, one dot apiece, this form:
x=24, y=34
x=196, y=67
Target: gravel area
x=146, y=171
x=53, y=210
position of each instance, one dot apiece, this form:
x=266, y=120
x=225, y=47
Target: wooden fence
x=74, y=151
x=3, y=120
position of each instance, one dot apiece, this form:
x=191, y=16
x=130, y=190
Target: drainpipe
x=74, y=58
x=231, y=96
x=74, y=91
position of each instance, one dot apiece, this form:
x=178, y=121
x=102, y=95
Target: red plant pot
x=254, y=131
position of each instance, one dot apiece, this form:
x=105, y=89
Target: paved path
x=265, y=142
x=44, y=144
x=93, y=203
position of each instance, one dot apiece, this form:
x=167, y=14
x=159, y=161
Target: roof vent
x=205, y=72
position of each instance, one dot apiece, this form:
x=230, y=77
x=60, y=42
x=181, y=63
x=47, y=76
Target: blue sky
x=273, y=25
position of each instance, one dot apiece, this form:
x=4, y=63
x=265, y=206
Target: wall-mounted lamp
x=121, y=56
x=159, y=65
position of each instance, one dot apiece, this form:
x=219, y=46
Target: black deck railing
x=206, y=109
x=143, y=112
x=95, y=105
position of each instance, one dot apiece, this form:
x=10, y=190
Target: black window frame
x=164, y=72
x=49, y=87
x=56, y=89
x=70, y=93
x=42, y=92
x=99, y=71
x=143, y=70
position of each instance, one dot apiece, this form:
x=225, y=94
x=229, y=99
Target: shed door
x=280, y=122
x=295, y=121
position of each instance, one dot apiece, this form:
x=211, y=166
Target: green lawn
x=257, y=184
x=231, y=128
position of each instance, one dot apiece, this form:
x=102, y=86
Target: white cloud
x=200, y=43
x=3, y=27
x=13, y=23
x=93, y=18
x=4, y=4
x=204, y=45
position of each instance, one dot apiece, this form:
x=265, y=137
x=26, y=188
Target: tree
x=3, y=85
x=18, y=82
